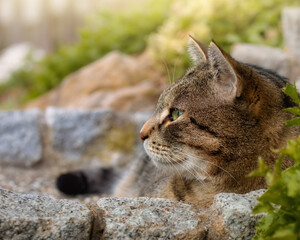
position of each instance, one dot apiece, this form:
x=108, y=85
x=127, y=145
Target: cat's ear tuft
x=227, y=82
x=197, y=51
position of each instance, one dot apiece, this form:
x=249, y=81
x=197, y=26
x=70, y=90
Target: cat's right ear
x=197, y=51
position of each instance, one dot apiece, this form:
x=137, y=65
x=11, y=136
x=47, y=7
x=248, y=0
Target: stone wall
x=26, y=216
x=68, y=137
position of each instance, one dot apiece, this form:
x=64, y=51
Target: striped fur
x=233, y=114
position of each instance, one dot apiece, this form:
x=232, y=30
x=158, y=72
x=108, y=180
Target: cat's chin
x=179, y=169
x=187, y=167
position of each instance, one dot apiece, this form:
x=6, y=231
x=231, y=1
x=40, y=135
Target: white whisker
x=193, y=164
x=174, y=71
x=188, y=170
x=200, y=159
x=168, y=71
x=173, y=165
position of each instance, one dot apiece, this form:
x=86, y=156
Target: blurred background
x=94, y=69
x=43, y=41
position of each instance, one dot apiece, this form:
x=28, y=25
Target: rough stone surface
x=20, y=138
x=72, y=130
x=233, y=215
x=291, y=30
x=26, y=216
x=269, y=58
x=149, y=218
x=116, y=81
x=94, y=136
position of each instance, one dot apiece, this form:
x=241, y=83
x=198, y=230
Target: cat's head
x=211, y=121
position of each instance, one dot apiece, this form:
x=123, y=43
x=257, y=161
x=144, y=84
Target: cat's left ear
x=197, y=51
x=226, y=83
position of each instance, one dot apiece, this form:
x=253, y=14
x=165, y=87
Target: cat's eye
x=175, y=113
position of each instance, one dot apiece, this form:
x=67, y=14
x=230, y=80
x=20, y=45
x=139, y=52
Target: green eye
x=175, y=114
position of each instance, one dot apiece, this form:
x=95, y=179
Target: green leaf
x=286, y=232
x=295, y=121
x=263, y=207
x=295, y=110
x=291, y=91
x=292, y=181
x=278, y=164
x=293, y=149
x=262, y=169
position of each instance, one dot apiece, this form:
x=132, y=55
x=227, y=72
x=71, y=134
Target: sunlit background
x=48, y=23
x=43, y=41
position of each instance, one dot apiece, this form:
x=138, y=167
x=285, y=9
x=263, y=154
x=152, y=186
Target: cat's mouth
x=171, y=159
x=162, y=154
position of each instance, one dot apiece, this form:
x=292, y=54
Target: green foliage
x=162, y=28
x=281, y=202
x=125, y=31
x=225, y=21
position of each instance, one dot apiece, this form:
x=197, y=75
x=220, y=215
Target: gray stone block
x=270, y=58
x=90, y=136
x=263, y=56
x=149, y=218
x=26, y=216
x=233, y=214
x=20, y=141
x=72, y=130
x=291, y=30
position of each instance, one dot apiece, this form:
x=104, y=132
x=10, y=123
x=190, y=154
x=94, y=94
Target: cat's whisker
x=201, y=169
x=174, y=70
x=230, y=175
x=188, y=170
x=167, y=68
x=199, y=159
x=170, y=161
x=197, y=177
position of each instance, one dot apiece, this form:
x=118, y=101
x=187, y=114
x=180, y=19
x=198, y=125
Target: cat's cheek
x=173, y=133
x=146, y=145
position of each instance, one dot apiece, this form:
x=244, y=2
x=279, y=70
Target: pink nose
x=146, y=130
x=143, y=136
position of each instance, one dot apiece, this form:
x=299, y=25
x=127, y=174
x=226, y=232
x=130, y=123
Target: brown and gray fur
x=233, y=113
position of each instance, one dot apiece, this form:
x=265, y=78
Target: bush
x=162, y=28
x=225, y=21
x=125, y=31
x=281, y=202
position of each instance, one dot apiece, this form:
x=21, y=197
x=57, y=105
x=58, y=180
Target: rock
x=149, y=218
x=232, y=216
x=69, y=137
x=78, y=136
x=20, y=138
x=26, y=216
x=291, y=30
x=269, y=58
x=116, y=81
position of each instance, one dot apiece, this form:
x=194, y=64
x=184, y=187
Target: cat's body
x=209, y=129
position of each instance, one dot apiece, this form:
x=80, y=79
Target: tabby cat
x=205, y=136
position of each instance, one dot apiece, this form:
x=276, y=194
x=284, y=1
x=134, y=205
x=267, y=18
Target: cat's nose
x=143, y=137
x=146, y=130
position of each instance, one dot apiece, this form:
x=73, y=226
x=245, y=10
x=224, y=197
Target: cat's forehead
x=191, y=89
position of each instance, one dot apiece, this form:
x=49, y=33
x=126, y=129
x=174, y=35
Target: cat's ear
x=226, y=82
x=197, y=51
